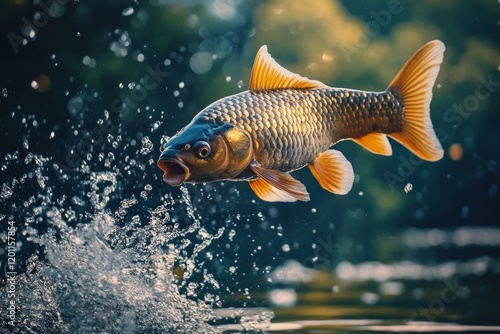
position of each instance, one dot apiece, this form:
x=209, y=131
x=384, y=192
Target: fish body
x=290, y=128
x=286, y=122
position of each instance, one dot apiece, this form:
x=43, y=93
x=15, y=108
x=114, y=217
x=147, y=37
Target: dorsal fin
x=268, y=74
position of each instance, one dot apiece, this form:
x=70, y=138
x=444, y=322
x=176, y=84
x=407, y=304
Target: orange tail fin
x=414, y=82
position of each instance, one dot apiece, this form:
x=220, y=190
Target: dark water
x=92, y=240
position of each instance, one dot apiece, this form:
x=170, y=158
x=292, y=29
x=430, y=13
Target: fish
x=285, y=122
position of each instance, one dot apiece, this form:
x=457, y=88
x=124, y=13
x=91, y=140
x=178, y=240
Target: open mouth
x=175, y=171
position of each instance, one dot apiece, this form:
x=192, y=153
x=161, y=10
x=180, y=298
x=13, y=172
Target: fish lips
x=175, y=171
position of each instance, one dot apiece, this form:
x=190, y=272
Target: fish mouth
x=176, y=172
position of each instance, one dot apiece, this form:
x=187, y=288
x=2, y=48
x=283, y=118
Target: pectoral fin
x=376, y=143
x=266, y=192
x=333, y=172
x=275, y=186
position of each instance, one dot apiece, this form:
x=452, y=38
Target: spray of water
x=91, y=258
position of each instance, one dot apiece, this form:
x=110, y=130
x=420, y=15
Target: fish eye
x=202, y=149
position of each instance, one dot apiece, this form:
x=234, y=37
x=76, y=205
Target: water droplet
x=75, y=105
x=408, y=187
x=34, y=84
x=155, y=126
x=6, y=191
x=147, y=146
x=313, y=210
x=285, y=248
x=465, y=211
x=90, y=62
x=240, y=84
x=200, y=62
x=181, y=84
x=30, y=32
x=139, y=56
x=122, y=43
x=78, y=201
x=231, y=234
x=128, y=11
x=228, y=79
x=78, y=35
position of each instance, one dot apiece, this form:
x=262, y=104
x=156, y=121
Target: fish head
x=204, y=153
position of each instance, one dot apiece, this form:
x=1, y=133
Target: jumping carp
x=286, y=122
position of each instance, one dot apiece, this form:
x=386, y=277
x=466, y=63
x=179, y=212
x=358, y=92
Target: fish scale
x=291, y=127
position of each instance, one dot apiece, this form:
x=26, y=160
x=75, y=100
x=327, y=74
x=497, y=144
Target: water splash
x=90, y=258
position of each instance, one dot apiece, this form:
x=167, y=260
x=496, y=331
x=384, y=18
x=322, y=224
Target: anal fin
x=275, y=186
x=377, y=143
x=333, y=172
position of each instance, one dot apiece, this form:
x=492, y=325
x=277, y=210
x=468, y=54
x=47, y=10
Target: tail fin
x=414, y=82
